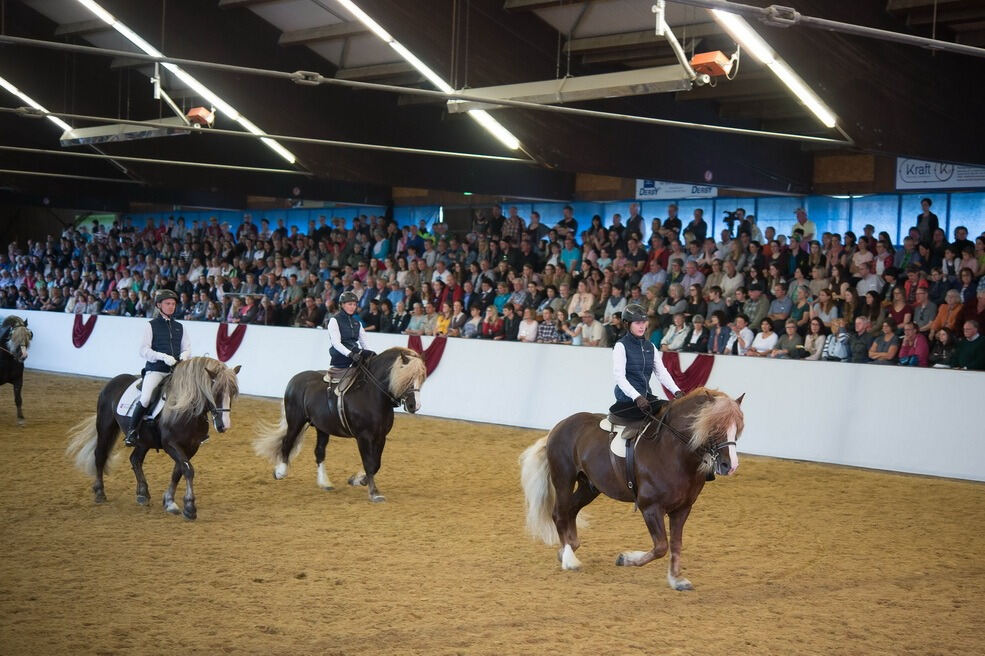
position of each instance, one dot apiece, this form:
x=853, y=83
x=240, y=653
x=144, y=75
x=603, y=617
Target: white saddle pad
x=617, y=445
x=128, y=401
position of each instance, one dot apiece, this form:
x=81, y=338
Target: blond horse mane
x=403, y=376
x=20, y=336
x=713, y=419
x=197, y=385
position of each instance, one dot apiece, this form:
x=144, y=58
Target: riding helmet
x=634, y=312
x=165, y=294
x=348, y=297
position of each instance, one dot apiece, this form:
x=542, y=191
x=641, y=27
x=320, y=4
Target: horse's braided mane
x=715, y=414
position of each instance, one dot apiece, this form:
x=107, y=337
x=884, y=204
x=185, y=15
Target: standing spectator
x=927, y=221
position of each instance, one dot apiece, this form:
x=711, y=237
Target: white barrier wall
x=924, y=421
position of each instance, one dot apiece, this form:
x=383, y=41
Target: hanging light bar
x=188, y=79
x=30, y=101
x=481, y=116
x=745, y=36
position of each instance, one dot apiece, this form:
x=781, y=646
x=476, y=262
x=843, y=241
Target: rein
x=661, y=422
x=393, y=400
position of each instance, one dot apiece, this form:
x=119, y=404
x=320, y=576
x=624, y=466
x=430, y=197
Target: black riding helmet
x=634, y=312
x=348, y=297
x=163, y=295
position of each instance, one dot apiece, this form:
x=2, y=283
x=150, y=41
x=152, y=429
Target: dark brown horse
x=564, y=472
x=13, y=353
x=386, y=380
x=198, y=388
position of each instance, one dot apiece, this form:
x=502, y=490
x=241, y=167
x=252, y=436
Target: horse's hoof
x=357, y=479
x=377, y=498
x=620, y=560
x=172, y=508
x=100, y=498
x=683, y=585
x=21, y=423
x=189, y=515
x=327, y=488
x=142, y=500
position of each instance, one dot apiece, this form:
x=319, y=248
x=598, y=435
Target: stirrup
x=130, y=439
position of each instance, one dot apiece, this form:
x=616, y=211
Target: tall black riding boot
x=134, y=430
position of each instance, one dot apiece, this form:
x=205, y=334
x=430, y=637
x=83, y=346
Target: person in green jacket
x=970, y=352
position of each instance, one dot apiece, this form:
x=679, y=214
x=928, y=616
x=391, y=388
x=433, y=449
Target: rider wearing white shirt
x=634, y=360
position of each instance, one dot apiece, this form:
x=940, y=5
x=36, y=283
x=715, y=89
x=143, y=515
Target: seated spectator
x=675, y=303
x=967, y=285
x=675, y=334
x=502, y=296
x=616, y=303
x=874, y=312
x=430, y=319
x=696, y=340
x=914, y=349
x=400, y=319
x=814, y=341
x=899, y=310
x=615, y=328
x=860, y=340
x=781, y=307
x=719, y=333
x=418, y=322
x=790, y=344
x=741, y=336
x=442, y=322
x=588, y=332
x=473, y=325
x=869, y=281
x=764, y=343
x=924, y=311
x=969, y=353
x=949, y=314
x=527, y=331
x=942, y=348
x=836, y=347
x=511, y=324
x=885, y=348
x=582, y=301
x=113, y=305
x=492, y=325
x=458, y=319
x=695, y=303
x=214, y=313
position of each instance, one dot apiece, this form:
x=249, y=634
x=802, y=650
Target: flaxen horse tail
x=82, y=441
x=273, y=439
x=538, y=492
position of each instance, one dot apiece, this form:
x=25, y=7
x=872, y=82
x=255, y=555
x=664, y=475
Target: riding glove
x=642, y=403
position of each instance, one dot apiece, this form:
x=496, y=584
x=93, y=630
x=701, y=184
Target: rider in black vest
x=163, y=345
x=346, y=334
x=634, y=360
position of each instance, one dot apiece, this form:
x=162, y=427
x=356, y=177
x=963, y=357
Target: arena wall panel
x=924, y=421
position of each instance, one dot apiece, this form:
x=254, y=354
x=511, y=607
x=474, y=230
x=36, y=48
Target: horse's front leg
x=17, y=401
x=371, y=452
x=169, y=504
x=674, y=578
x=653, y=515
x=137, y=463
x=181, y=459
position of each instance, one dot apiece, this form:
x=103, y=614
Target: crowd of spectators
x=750, y=292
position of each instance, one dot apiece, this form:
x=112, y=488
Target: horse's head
x=225, y=388
x=718, y=422
x=407, y=375
x=20, y=341
x=202, y=385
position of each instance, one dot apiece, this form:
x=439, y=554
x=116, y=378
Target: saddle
x=131, y=396
x=340, y=379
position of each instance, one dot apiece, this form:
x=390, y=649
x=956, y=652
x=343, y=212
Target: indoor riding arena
x=349, y=327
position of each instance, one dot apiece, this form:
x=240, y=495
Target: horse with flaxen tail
x=564, y=472
x=384, y=381
x=13, y=352
x=198, y=387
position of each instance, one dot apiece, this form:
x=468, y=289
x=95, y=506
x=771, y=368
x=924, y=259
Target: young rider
x=634, y=360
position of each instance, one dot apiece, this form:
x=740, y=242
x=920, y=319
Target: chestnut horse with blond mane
x=562, y=473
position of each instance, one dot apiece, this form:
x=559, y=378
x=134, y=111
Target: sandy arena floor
x=787, y=557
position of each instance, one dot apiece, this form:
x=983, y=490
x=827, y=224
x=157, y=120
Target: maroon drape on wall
x=432, y=355
x=81, y=330
x=695, y=376
x=227, y=343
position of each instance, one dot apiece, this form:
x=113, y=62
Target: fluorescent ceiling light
x=480, y=116
x=745, y=36
x=30, y=101
x=187, y=78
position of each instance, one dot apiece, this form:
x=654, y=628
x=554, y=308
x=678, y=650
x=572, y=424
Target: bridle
x=394, y=401
x=662, y=422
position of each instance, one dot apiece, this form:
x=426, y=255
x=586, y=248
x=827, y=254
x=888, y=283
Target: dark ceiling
x=890, y=99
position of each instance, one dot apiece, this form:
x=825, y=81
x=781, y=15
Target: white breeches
x=151, y=380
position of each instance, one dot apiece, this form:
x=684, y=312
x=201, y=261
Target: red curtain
x=82, y=329
x=695, y=376
x=432, y=355
x=227, y=343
